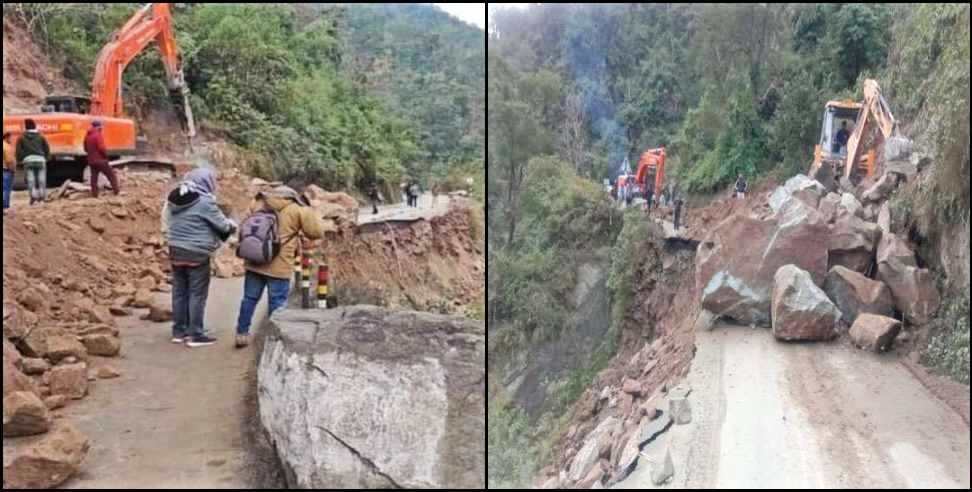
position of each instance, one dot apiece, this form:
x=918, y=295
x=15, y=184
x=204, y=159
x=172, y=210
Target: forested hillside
x=312, y=90
x=574, y=90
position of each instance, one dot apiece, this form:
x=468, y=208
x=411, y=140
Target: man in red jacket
x=94, y=146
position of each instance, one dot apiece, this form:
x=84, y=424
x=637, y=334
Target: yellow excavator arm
x=875, y=112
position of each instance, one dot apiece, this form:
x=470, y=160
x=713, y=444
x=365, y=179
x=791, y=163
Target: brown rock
x=32, y=366
x=14, y=380
x=107, y=372
x=631, y=387
x=36, y=343
x=143, y=298
x=852, y=243
x=595, y=475
x=147, y=282
x=32, y=299
x=913, y=290
x=24, y=414
x=893, y=248
x=54, y=402
x=10, y=353
x=119, y=311
x=70, y=380
x=101, y=344
x=98, y=330
x=881, y=188
x=854, y=294
x=737, y=261
x=49, y=462
x=62, y=346
x=96, y=225
x=874, y=333
x=801, y=311
x=159, y=313
x=123, y=290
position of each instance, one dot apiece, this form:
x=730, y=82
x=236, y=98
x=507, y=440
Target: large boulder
x=852, y=243
x=854, y=294
x=365, y=397
x=24, y=414
x=913, y=290
x=874, y=333
x=102, y=344
x=881, y=189
x=897, y=148
x=46, y=462
x=14, y=380
x=10, y=353
x=850, y=205
x=590, y=452
x=801, y=310
x=799, y=187
x=62, y=346
x=828, y=207
x=824, y=174
x=737, y=261
x=70, y=380
x=892, y=248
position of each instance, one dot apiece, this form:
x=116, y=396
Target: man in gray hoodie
x=196, y=228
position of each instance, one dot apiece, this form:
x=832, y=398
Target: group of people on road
x=195, y=227
x=410, y=193
x=32, y=151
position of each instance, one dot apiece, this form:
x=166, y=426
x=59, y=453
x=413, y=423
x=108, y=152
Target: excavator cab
x=67, y=104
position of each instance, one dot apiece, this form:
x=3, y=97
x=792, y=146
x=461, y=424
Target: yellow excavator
x=850, y=159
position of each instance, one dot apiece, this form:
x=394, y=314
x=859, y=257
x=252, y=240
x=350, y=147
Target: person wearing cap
x=34, y=153
x=295, y=219
x=9, y=168
x=94, y=146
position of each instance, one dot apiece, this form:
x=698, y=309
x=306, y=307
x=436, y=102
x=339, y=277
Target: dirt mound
x=28, y=75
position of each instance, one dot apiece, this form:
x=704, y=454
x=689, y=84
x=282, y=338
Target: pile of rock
x=820, y=263
x=45, y=366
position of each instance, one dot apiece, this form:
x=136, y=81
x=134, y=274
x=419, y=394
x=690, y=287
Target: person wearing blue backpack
x=195, y=228
x=269, y=239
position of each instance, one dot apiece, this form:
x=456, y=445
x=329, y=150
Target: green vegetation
x=948, y=350
x=296, y=83
x=511, y=455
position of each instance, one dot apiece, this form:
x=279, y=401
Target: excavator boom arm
x=151, y=23
x=875, y=112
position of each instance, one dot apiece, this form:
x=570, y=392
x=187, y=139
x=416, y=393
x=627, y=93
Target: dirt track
x=176, y=417
x=774, y=415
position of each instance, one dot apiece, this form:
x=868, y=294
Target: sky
x=473, y=13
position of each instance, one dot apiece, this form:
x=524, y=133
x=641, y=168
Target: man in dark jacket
x=34, y=153
x=741, y=187
x=195, y=228
x=373, y=196
x=94, y=146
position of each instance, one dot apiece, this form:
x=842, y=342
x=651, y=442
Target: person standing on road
x=373, y=196
x=196, y=229
x=678, y=211
x=94, y=146
x=294, y=219
x=34, y=153
x=413, y=193
x=649, y=197
x=741, y=187
x=404, y=189
x=9, y=169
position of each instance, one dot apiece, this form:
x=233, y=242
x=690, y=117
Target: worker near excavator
x=196, y=228
x=649, y=196
x=677, y=199
x=34, y=153
x=373, y=196
x=840, y=143
x=97, y=157
x=9, y=169
x=296, y=219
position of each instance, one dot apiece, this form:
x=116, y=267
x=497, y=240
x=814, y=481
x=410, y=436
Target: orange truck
x=64, y=120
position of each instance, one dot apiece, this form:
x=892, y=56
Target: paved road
x=176, y=417
x=394, y=213
x=774, y=415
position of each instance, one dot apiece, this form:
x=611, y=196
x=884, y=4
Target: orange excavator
x=651, y=168
x=64, y=120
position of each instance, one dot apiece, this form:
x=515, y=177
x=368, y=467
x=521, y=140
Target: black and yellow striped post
x=305, y=281
x=297, y=264
x=323, y=275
